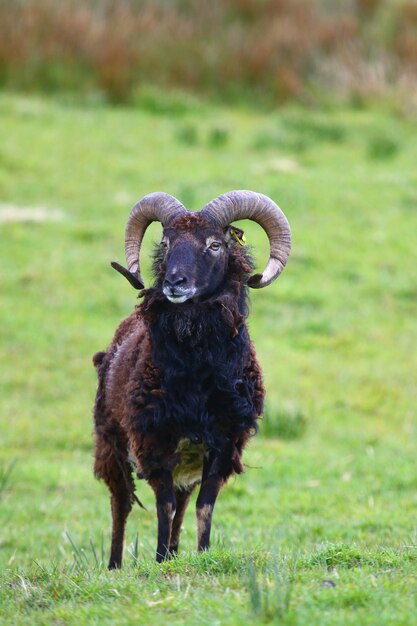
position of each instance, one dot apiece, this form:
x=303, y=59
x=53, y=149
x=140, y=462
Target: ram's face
x=195, y=255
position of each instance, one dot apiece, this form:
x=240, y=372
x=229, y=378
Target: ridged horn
x=155, y=207
x=240, y=205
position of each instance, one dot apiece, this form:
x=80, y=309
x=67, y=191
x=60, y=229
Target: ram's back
x=117, y=370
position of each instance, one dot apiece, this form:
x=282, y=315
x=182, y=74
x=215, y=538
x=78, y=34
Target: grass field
x=322, y=527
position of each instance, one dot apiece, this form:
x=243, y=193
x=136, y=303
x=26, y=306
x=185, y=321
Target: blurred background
x=256, y=50
x=312, y=102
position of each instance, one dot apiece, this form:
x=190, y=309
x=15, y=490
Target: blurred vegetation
x=265, y=51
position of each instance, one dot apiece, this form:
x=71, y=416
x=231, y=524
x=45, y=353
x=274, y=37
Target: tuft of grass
x=270, y=591
x=187, y=134
x=297, y=133
x=286, y=422
x=174, y=102
x=382, y=146
x=5, y=474
x=316, y=128
x=218, y=136
x=334, y=556
x=87, y=559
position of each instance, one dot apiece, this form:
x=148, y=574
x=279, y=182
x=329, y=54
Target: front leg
x=182, y=497
x=212, y=481
x=163, y=486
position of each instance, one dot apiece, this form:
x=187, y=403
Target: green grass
x=321, y=529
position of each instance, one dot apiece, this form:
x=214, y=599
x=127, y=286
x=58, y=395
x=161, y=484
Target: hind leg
x=111, y=464
x=182, y=497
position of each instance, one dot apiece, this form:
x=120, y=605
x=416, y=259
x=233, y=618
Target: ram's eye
x=164, y=243
x=216, y=245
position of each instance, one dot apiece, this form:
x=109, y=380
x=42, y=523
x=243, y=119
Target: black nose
x=174, y=280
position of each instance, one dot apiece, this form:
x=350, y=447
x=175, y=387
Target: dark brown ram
x=180, y=390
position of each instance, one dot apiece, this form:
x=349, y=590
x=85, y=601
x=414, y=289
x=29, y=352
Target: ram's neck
x=223, y=312
x=190, y=349
x=198, y=325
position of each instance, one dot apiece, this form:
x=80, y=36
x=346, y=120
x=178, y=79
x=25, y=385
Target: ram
x=179, y=388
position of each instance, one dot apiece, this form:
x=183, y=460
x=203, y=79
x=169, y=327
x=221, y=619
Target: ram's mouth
x=176, y=296
x=176, y=299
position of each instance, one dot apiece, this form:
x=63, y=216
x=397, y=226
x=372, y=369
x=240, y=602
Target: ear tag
x=239, y=237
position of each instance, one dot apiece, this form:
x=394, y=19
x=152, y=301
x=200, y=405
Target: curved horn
x=240, y=205
x=155, y=207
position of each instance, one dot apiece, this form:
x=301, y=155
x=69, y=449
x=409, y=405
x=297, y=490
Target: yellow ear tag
x=240, y=240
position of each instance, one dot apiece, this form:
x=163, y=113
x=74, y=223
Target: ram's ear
x=233, y=233
x=134, y=281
